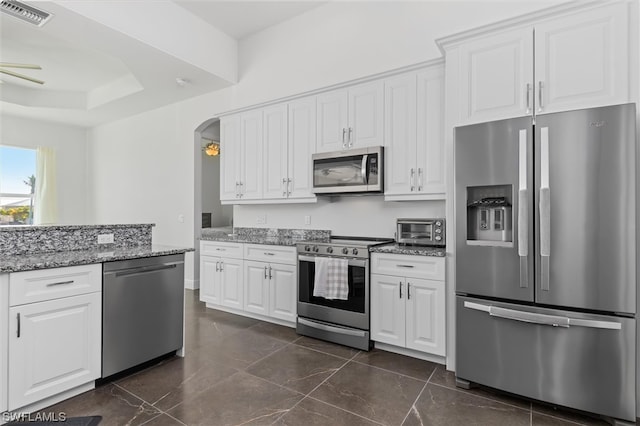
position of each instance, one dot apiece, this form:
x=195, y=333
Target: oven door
x=353, y=312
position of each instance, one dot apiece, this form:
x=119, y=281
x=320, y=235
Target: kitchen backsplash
x=42, y=239
x=294, y=234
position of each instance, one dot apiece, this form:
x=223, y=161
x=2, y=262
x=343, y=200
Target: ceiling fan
x=4, y=65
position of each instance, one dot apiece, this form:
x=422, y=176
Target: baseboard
x=410, y=352
x=192, y=284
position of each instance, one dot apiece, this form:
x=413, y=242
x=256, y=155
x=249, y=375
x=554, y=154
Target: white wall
x=155, y=151
x=70, y=144
x=359, y=216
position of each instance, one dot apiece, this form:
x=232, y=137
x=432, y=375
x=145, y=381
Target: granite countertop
x=257, y=239
x=412, y=250
x=27, y=262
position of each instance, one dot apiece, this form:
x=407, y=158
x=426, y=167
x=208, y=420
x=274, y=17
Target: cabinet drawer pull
x=18, y=331
x=400, y=289
x=266, y=253
x=265, y=273
x=270, y=276
x=60, y=283
x=405, y=266
x=221, y=249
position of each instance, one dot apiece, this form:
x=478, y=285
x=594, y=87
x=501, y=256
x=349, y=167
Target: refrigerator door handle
x=545, y=209
x=523, y=208
x=542, y=319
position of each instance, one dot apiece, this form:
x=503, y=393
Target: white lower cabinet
x=270, y=289
x=408, y=310
x=54, y=343
x=262, y=282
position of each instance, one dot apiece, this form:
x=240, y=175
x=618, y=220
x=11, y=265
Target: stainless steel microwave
x=421, y=232
x=352, y=171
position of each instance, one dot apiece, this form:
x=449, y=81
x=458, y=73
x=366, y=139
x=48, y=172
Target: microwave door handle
x=363, y=170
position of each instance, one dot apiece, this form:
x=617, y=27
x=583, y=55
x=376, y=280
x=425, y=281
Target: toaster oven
x=421, y=232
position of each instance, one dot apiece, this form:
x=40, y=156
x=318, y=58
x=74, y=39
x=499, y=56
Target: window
x=17, y=185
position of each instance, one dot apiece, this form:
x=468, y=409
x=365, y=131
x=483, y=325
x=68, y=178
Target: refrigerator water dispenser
x=489, y=217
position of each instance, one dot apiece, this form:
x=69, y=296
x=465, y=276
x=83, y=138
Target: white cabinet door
x=274, y=159
x=302, y=144
x=283, y=292
x=400, y=134
x=332, y=121
x=496, y=75
x=425, y=321
x=232, y=291
x=4, y=340
x=256, y=287
x=53, y=346
x=251, y=155
x=387, y=309
x=582, y=60
x=366, y=112
x=430, y=132
x=210, y=279
x=230, y=160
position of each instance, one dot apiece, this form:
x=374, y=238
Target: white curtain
x=46, y=196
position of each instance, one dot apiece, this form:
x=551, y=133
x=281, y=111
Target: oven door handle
x=330, y=328
x=352, y=262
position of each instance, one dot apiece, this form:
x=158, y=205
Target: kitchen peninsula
x=55, y=307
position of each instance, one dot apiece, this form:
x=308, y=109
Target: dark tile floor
x=242, y=371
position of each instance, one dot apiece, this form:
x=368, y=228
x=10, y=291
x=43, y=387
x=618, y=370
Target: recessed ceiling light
x=180, y=81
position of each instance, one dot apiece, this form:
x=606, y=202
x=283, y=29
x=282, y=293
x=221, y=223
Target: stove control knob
x=316, y=249
x=438, y=238
x=329, y=249
x=307, y=248
x=438, y=223
x=345, y=250
x=355, y=251
x=438, y=231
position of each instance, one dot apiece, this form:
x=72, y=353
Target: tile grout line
x=342, y=409
x=479, y=396
x=160, y=412
x=395, y=372
x=419, y=395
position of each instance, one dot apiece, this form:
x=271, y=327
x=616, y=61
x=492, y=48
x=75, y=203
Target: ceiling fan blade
x=24, y=77
x=13, y=65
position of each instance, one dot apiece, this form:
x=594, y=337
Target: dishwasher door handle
x=143, y=269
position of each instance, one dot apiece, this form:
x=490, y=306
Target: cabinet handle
x=265, y=272
x=540, y=87
x=411, y=176
x=217, y=266
x=241, y=191
x=419, y=179
x=266, y=253
x=60, y=283
x=528, y=97
x=221, y=269
x=408, y=291
x=344, y=135
x=284, y=190
x=289, y=186
x=400, y=287
x=404, y=266
x=350, y=141
x=221, y=249
x=270, y=276
x=18, y=331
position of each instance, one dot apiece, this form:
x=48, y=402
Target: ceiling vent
x=25, y=12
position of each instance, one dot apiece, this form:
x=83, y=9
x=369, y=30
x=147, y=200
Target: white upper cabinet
x=275, y=152
x=230, y=159
x=582, y=60
x=496, y=76
x=251, y=155
x=302, y=144
x=414, y=138
x=351, y=118
x=578, y=60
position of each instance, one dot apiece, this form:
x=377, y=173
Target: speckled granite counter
x=268, y=236
x=27, y=262
x=412, y=250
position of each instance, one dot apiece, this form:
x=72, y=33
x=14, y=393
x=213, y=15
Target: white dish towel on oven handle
x=331, y=279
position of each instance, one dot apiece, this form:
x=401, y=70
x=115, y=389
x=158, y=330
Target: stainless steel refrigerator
x=546, y=258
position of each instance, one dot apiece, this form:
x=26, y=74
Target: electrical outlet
x=307, y=220
x=105, y=239
x=261, y=219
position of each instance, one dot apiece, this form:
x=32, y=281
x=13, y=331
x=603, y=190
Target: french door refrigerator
x=546, y=258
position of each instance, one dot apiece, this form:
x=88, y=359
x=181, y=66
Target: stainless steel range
x=340, y=321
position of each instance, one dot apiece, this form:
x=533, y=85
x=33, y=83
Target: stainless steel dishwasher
x=142, y=310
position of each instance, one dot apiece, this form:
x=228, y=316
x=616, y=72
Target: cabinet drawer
x=270, y=253
x=48, y=284
x=218, y=248
x=427, y=267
